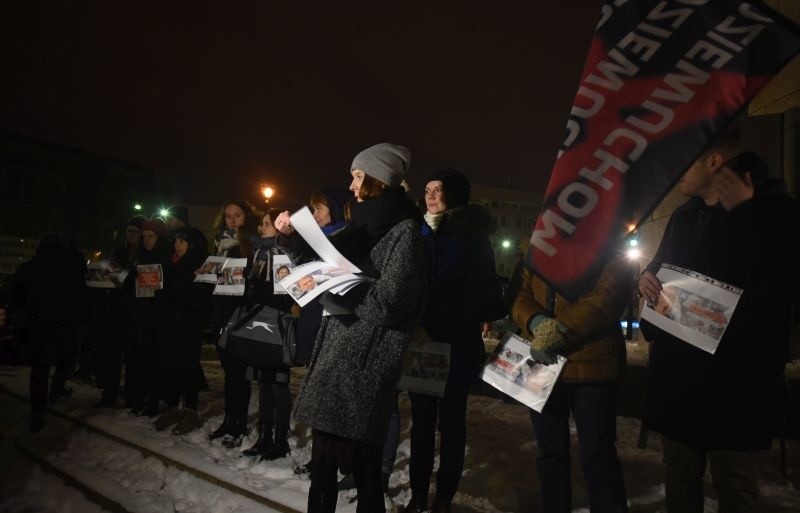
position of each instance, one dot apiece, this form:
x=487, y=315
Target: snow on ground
x=499, y=474
x=45, y=492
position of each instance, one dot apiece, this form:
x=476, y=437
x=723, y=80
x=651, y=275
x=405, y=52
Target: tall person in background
x=721, y=408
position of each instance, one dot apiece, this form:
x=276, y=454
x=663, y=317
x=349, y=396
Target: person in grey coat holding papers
x=357, y=361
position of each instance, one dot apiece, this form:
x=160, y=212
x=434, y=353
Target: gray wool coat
x=357, y=360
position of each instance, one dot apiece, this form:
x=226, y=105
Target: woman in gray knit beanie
x=358, y=356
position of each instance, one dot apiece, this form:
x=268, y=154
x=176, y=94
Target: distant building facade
x=46, y=186
x=515, y=213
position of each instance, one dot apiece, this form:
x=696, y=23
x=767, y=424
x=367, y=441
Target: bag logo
x=265, y=325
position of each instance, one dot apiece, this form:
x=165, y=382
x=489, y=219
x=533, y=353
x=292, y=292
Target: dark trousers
x=237, y=391
x=451, y=412
x=733, y=473
x=180, y=383
x=593, y=407
x=110, y=366
x=329, y=453
x=392, y=439
x=139, y=372
x=38, y=382
x=274, y=401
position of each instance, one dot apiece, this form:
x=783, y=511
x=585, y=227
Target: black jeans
x=733, y=473
x=451, y=411
x=237, y=391
x=274, y=401
x=593, y=407
x=139, y=371
x=392, y=438
x=38, y=382
x=180, y=383
x=329, y=453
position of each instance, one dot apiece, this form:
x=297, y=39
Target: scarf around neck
x=433, y=220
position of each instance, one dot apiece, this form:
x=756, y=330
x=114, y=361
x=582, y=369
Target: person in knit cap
x=141, y=356
x=350, y=385
x=463, y=292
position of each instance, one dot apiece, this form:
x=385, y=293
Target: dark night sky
x=219, y=96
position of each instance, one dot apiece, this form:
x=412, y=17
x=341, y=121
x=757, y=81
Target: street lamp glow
x=633, y=253
x=163, y=212
x=506, y=244
x=137, y=206
x=267, y=192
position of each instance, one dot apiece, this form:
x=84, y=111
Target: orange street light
x=267, y=192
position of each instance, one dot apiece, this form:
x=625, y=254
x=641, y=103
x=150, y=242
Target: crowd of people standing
x=429, y=274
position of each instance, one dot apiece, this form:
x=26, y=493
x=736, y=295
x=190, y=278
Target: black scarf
x=371, y=220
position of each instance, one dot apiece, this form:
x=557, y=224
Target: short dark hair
x=728, y=143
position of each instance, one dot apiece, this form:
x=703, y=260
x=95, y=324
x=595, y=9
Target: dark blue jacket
x=463, y=287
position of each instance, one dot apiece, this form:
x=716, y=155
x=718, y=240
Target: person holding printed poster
x=358, y=356
x=587, y=332
x=463, y=291
x=141, y=363
x=722, y=407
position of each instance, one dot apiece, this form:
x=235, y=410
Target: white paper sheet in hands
x=231, y=278
x=512, y=371
x=210, y=270
x=693, y=307
x=309, y=280
x=304, y=223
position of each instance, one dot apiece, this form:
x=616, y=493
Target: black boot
x=57, y=393
x=222, y=430
x=279, y=448
x=305, y=468
x=236, y=433
x=37, y=422
x=263, y=442
x=442, y=505
x=417, y=504
x=139, y=405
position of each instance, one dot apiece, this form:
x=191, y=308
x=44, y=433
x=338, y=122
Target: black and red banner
x=661, y=80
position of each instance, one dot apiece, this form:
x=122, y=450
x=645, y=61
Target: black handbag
x=261, y=336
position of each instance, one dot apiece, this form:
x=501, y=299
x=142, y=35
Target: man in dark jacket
x=720, y=407
x=46, y=300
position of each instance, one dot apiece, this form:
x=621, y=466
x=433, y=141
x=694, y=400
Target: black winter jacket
x=727, y=400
